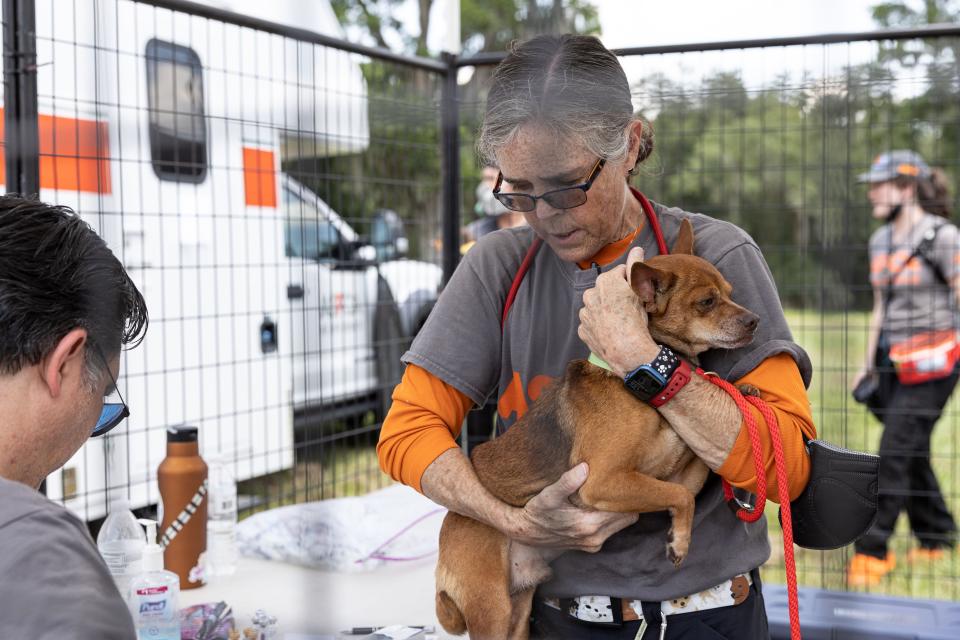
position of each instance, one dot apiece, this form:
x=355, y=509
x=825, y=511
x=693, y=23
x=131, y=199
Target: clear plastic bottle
x=221, y=557
x=121, y=544
x=155, y=594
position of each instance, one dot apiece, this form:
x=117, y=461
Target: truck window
x=178, y=132
x=307, y=234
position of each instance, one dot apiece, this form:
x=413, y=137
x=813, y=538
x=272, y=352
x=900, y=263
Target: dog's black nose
x=749, y=321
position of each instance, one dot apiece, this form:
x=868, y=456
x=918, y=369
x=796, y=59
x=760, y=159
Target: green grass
x=341, y=472
x=836, y=344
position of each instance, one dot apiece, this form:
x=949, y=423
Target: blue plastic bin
x=839, y=615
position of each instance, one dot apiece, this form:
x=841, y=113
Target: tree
x=490, y=25
x=376, y=20
x=902, y=14
x=401, y=167
x=485, y=25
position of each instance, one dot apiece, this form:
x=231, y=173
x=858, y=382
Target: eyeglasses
x=566, y=198
x=113, y=413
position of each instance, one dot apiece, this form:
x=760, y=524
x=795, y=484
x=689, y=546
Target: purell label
x=153, y=606
x=151, y=591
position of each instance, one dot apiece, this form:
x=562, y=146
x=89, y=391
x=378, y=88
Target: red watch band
x=677, y=381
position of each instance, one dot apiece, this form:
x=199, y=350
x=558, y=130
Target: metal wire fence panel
x=773, y=138
x=277, y=197
x=277, y=201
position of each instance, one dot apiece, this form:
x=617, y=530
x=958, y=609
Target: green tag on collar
x=595, y=360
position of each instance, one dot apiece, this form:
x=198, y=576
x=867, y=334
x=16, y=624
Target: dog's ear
x=684, y=241
x=649, y=283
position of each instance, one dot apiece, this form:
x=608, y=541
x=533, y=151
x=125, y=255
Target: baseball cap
x=892, y=164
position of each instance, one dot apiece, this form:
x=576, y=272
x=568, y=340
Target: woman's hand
x=613, y=323
x=860, y=375
x=549, y=519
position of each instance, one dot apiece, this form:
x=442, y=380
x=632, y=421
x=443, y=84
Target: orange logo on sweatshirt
x=515, y=400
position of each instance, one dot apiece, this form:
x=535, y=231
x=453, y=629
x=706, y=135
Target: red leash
x=754, y=514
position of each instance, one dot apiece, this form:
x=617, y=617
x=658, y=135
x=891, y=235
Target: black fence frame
x=22, y=156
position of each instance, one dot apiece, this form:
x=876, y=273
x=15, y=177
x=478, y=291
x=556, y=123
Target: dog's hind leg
x=449, y=615
x=483, y=608
x=635, y=492
x=522, y=604
x=473, y=579
x=491, y=621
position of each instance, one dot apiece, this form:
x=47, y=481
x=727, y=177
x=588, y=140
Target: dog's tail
x=449, y=615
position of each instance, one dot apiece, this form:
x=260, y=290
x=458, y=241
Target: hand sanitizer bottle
x=155, y=593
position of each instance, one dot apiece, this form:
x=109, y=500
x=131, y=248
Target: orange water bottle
x=182, y=477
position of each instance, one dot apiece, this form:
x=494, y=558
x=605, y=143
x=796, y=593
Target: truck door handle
x=294, y=291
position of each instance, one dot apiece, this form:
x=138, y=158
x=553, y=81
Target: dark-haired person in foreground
x=66, y=308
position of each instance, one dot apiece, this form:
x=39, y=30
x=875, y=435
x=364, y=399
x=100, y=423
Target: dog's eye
x=706, y=303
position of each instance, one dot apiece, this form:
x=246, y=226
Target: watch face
x=646, y=382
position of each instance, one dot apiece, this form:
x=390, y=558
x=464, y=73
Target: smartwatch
x=659, y=380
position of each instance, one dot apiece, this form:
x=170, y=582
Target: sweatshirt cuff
x=429, y=445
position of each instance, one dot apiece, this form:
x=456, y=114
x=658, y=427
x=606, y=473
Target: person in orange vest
x=911, y=366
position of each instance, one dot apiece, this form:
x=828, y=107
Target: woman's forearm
x=706, y=418
x=451, y=481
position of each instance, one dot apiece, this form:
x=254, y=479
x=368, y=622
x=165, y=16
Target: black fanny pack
x=839, y=503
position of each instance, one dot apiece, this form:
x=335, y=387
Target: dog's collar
x=595, y=360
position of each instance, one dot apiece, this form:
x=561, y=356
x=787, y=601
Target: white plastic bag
x=395, y=524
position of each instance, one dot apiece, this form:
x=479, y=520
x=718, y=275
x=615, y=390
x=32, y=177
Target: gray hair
x=571, y=84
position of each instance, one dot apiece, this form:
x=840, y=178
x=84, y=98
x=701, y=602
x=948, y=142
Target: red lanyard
x=652, y=219
x=537, y=241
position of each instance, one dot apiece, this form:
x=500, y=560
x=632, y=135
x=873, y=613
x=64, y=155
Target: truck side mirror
x=387, y=235
x=366, y=253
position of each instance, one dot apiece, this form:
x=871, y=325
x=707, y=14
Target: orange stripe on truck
x=259, y=177
x=74, y=154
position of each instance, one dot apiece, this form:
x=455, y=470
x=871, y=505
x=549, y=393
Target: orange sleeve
x=780, y=384
x=422, y=423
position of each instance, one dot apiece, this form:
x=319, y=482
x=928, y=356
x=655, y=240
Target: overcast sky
x=631, y=23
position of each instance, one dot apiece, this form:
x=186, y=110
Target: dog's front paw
x=673, y=555
x=676, y=549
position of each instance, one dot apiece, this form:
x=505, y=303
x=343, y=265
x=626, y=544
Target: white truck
x=167, y=132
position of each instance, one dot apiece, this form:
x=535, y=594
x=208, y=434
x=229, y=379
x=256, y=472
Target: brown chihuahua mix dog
x=638, y=464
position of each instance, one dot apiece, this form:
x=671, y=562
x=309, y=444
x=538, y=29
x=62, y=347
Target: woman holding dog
x=913, y=353
x=560, y=126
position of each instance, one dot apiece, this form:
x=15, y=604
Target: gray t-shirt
x=462, y=344
x=919, y=300
x=53, y=583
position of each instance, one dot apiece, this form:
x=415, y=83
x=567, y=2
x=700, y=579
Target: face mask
x=894, y=212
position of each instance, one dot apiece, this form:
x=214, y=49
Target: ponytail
x=933, y=194
x=646, y=146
